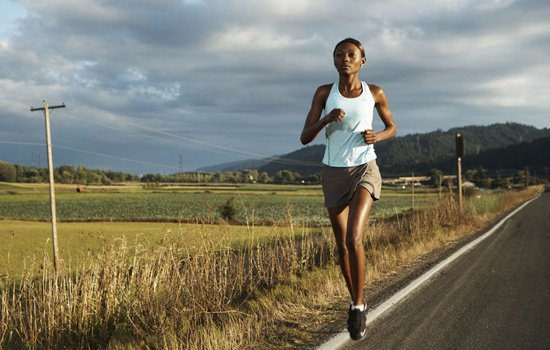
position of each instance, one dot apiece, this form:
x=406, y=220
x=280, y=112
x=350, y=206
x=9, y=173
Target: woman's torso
x=345, y=144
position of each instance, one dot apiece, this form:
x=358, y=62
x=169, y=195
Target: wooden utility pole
x=46, y=110
x=459, y=155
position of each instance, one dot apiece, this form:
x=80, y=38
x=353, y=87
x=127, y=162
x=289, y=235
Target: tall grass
x=210, y=296
x=166, y=296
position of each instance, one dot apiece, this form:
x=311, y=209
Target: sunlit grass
x=24, y=241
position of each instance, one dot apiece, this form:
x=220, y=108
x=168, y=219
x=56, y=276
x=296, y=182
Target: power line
x=115, y=157
x=193, y=143
x=21, y=143
x=92, y=153
x=213, y=147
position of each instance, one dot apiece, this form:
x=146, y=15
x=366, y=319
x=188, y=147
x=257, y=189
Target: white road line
x=343, y=337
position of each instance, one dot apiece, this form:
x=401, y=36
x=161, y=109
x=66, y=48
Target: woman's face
x=348, y=59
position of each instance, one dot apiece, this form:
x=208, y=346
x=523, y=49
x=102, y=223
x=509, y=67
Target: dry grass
x=131, y=296
x=213, y=296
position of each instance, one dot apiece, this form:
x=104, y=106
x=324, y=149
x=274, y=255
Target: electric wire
x=202, y=144
x=187, y=142
x=73, y=149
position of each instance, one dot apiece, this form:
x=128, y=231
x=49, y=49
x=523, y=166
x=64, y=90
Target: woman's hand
x=370, y=137
x=336, y=115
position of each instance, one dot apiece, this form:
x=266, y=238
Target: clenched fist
x=336, y=115
x=370, y=137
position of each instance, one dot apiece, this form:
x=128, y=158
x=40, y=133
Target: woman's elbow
x=394, y=130
x=304, y=139
x=391, y=130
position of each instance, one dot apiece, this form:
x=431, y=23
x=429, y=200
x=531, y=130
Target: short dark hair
x=351, y=41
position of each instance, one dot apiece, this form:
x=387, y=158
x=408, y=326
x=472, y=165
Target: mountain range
x=496, y=147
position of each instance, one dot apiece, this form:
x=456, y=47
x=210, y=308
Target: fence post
x=459, y=155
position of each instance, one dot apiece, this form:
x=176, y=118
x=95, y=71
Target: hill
x=534, y=155
x=235, y=166
x=417, y=152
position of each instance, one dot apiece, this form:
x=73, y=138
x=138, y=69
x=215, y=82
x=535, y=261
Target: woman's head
x=350, y=41
x=349, y=56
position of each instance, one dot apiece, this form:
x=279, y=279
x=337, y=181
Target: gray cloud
x=217, y=81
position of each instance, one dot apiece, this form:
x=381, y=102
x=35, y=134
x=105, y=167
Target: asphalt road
x=497, y=296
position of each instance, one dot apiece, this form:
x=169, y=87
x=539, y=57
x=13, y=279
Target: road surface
x=497, y=296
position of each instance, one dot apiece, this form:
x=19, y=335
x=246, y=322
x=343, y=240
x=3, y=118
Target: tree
x=263, y=177
x=7, y=172
x=314, y=178
x=249, y=175
x=436, y=177
x=81, y=175
x=479, y=177
x=285, y=176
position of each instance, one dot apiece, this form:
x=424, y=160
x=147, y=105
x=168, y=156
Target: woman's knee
x=342, y=250
x=354, y=242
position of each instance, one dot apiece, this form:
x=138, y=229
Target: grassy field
x=24, y=243
x=260, y=204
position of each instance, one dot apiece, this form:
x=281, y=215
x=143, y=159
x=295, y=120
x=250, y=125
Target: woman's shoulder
x=375, y=90
x=324, y=90
x=373, y=87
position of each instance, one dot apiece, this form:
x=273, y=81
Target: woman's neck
x=350, y=85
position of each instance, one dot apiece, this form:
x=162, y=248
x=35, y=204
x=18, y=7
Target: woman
x=351, y=179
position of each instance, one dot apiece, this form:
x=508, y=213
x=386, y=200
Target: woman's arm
x=314, y=123
x=383, y=109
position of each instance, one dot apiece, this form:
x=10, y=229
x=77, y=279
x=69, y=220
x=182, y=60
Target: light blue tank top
x=345, y=144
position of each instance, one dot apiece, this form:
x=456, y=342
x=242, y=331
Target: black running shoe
x=357, y=325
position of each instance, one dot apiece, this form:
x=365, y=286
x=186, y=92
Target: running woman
x=351, y=178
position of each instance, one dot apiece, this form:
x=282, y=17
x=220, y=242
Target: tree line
x=480, y=178
x=68, y=174
x=244, y=176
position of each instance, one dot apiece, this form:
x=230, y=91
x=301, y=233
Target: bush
x=228, y=211
x=470, y=191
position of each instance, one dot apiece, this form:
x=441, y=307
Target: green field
x=259, y=204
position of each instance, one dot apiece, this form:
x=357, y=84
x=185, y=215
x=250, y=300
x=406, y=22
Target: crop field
x=258, y=204
x=100, y=215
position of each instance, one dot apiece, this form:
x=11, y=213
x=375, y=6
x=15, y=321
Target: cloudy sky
x=163, y=85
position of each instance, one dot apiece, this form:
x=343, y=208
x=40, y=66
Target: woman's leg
x=358, y=213
x=339, y=221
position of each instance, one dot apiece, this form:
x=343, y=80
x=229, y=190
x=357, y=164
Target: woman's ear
x=363, y=61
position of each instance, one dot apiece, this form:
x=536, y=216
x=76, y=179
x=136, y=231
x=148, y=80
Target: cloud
x=219, y=81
